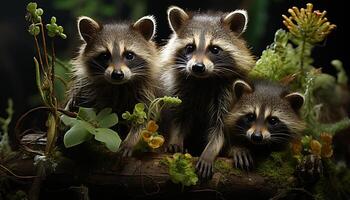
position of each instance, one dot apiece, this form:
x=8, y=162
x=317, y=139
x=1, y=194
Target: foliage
x=88, y=124
x=45, y=67
x=151, y=139
x=5, y=150
x=181, y=169
x=138, y=116
x=288, y=60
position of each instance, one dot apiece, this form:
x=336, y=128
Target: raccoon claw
x=174, y=148
x=310, y=169
x=242, y=159
x=125, y=151
x=204, y=168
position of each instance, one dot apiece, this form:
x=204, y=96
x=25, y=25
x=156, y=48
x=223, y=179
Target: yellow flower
x=146, y=135
x=310, y=25
x=156, y=141
x=152, y=126
x=326, y=138
x=327, y=151
x=296, y=146
x=315, y=147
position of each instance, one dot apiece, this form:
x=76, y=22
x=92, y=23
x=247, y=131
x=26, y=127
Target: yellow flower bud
x=156, y=141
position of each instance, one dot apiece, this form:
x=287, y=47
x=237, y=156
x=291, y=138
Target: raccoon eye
x=273, y=120
x=129, y=55
x=104, y=57
x=190, y=48
x=250, y=117
x=214, y=49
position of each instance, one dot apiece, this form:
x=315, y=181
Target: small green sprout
x=88, y=124
x=138, y=116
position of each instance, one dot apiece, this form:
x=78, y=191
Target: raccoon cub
x=201, y=61
x=264, y=119
x=115, y=68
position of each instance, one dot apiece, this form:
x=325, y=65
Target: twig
x=15, y=175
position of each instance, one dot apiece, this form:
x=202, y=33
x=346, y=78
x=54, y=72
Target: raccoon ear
x=296, y=100
x=176, y=18
x=237, y=21
x=88, y=28
x=146, y=26
x=240, y=87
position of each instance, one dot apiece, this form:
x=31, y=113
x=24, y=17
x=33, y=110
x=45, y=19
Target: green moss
x=226, y=168
x=279, y=167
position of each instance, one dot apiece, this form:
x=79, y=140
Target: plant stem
x=39, y=53
x=303, y=42
x=44, y=43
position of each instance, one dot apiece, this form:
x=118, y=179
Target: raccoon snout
x=117, y=75
x=198, y=68
x=257, y=137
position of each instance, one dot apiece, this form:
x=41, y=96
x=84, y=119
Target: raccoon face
x=266, y=113
x=206, y=45
x=117, y=53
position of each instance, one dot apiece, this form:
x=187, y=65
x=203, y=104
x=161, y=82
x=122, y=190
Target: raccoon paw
x=174, y=148
x=204, y=168
x=310, y=169
x=242, y=158
x=125, y=151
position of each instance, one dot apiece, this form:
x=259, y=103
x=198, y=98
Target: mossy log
x=147, y=177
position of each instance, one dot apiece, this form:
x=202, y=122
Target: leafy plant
x=5, y=150
x=45, y=67
x=151, y=138
x=88, y=124
x=181, y=169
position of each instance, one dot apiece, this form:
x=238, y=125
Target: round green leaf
x=110, y=138
x=103, y=113
x=76, y=135
x=108, y=121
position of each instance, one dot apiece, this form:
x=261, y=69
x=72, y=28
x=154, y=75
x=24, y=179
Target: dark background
x=17, y=73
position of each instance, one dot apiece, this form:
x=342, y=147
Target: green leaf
x=76, y=135
x=89, y=127
x=87, y=114
x=103, y=113
x=68, y=121
x=108, y=121
x=109, y=137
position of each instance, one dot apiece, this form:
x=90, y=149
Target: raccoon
x=263, y=119
x=201, y=61
x=115, y=68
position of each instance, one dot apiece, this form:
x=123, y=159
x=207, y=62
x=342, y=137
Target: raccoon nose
x=198, y=68
x=117, y=75
x=257, y=137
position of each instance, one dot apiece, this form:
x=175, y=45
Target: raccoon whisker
x=96, y=64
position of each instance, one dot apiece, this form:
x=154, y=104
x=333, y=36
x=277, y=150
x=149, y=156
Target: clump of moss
x=278, y=167
x=226, y=168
